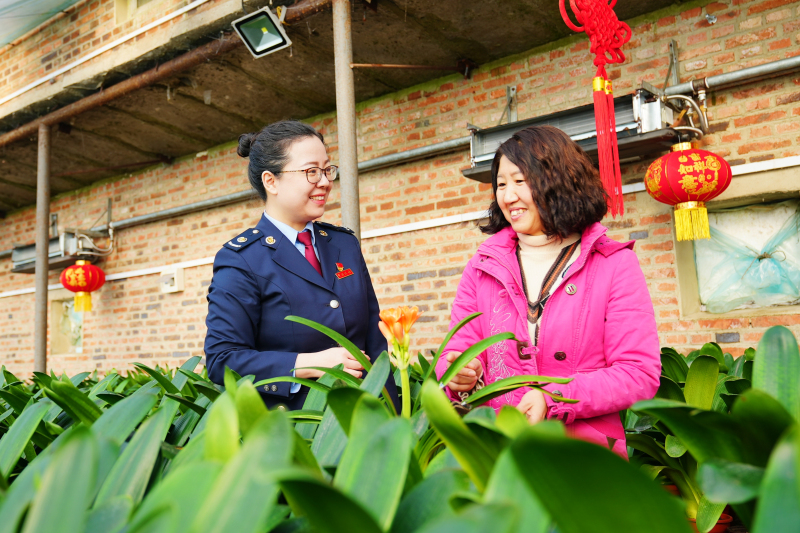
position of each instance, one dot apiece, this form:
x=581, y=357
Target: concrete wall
x=132, y=320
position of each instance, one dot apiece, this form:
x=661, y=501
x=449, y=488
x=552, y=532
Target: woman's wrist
x=304, y=360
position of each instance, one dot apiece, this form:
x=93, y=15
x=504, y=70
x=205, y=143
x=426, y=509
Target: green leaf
x=670, y=390
x=119, y=421
x=701, y=382
x=706, y=434
x=674, y=447
x=571, y=474
x=246, y=491
x=337, y=337
x=749, y=354
x=184, y=491
x=132, y=470
x=712, y=349
x=778, y=508
x=327, y=509
x=673, y=365
x=474, y=457
x=186, y=424
x=429, y=500
x=374, y=466
x=502, y=386
x=511, y=421
x=110, y=398
x=14, y=442
x=304, y=415
x=375, y=381
x=463, y=322
x=310, y=383
x=708, y=514
x=65, y=490
x=471, y=353
x=343, y=401
x=188, y=403
x=764, y=420
x=726, y=482
x=230, y=379
x=222, y=430
x=777, y=368
x=162, y=380
x=492, y=517
x=250, y=407
x=74, y=402
x=315, y=401
x=111, y=516
x=507, y=485
x=338, y=374
x=209, y=391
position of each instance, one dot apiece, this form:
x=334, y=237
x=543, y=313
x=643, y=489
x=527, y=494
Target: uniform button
x=334, y=303
x=281, y=408
x=274, y=388
x=560, y=356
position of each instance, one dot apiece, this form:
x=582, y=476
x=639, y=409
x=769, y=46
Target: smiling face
x=290, y=197
x=515, y=199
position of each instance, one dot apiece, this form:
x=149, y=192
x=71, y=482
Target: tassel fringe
x=691, y=221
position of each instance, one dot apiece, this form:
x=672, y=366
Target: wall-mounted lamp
x=261, y=32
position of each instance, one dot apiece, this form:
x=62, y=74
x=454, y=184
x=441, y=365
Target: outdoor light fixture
x=261, y=32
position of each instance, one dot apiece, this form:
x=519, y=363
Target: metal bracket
x=511, y=105
x=54, y=225
x=672, y=71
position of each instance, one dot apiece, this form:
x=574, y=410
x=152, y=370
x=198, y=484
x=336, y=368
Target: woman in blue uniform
x=290, y=265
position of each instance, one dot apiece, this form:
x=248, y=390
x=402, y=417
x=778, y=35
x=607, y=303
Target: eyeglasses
x=314, y=174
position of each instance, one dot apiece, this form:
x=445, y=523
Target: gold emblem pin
x=323, y=233
x=241, y=239
x=270, y=240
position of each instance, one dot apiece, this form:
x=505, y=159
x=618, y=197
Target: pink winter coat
x=603, y=335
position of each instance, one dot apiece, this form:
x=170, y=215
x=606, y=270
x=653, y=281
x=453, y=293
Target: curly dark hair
x=564, y=183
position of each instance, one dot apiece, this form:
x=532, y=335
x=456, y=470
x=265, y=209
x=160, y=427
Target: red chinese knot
x=686, y=178
x=83, y=278
x=606, y=35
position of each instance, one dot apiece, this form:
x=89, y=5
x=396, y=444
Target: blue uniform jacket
x=259, y=279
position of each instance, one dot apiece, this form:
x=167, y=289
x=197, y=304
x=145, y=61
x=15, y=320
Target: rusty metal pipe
x=410, y=67
x=186, y=61
x=346, y=115
x=42, y=249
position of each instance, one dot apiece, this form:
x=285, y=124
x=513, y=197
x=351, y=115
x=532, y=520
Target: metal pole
x=42, y=249
x=346, y=115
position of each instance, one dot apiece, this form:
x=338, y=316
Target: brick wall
x=132, y=320
x=90, y=27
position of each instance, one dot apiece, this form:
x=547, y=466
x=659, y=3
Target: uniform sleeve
x=465, y=304
x=234, y=314
x=376, y=342
x=631, y=347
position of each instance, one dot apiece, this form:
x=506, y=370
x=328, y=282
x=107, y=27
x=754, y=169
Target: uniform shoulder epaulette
x=244, y=239
x=336, y=228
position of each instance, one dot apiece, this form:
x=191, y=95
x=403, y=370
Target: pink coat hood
x=598, y=328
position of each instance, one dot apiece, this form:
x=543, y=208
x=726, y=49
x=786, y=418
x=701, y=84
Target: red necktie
x=305, y=237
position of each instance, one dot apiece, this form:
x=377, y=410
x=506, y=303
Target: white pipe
x=103, y=49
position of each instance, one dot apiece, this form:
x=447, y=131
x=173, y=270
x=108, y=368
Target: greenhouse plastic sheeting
x=731, y=273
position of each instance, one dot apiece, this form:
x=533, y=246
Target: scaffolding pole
x=42, y=249
x=346, y=115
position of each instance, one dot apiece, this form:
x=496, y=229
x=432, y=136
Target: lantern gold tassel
x=83, y=301
x=691, y=221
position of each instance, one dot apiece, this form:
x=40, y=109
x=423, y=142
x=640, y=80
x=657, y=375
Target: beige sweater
x=537, y=254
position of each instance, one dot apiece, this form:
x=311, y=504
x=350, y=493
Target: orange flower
x=408, y=315
x=386, y=331
x=390, y=317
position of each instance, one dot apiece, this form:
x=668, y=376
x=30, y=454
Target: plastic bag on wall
x=733, y=273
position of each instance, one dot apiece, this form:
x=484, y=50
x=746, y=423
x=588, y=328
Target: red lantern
x=83, y=278
x=687, y=178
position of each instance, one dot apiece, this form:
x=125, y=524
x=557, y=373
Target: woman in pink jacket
x=575, y=299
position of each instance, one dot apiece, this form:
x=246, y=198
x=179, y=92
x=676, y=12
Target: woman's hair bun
x=245, y=140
